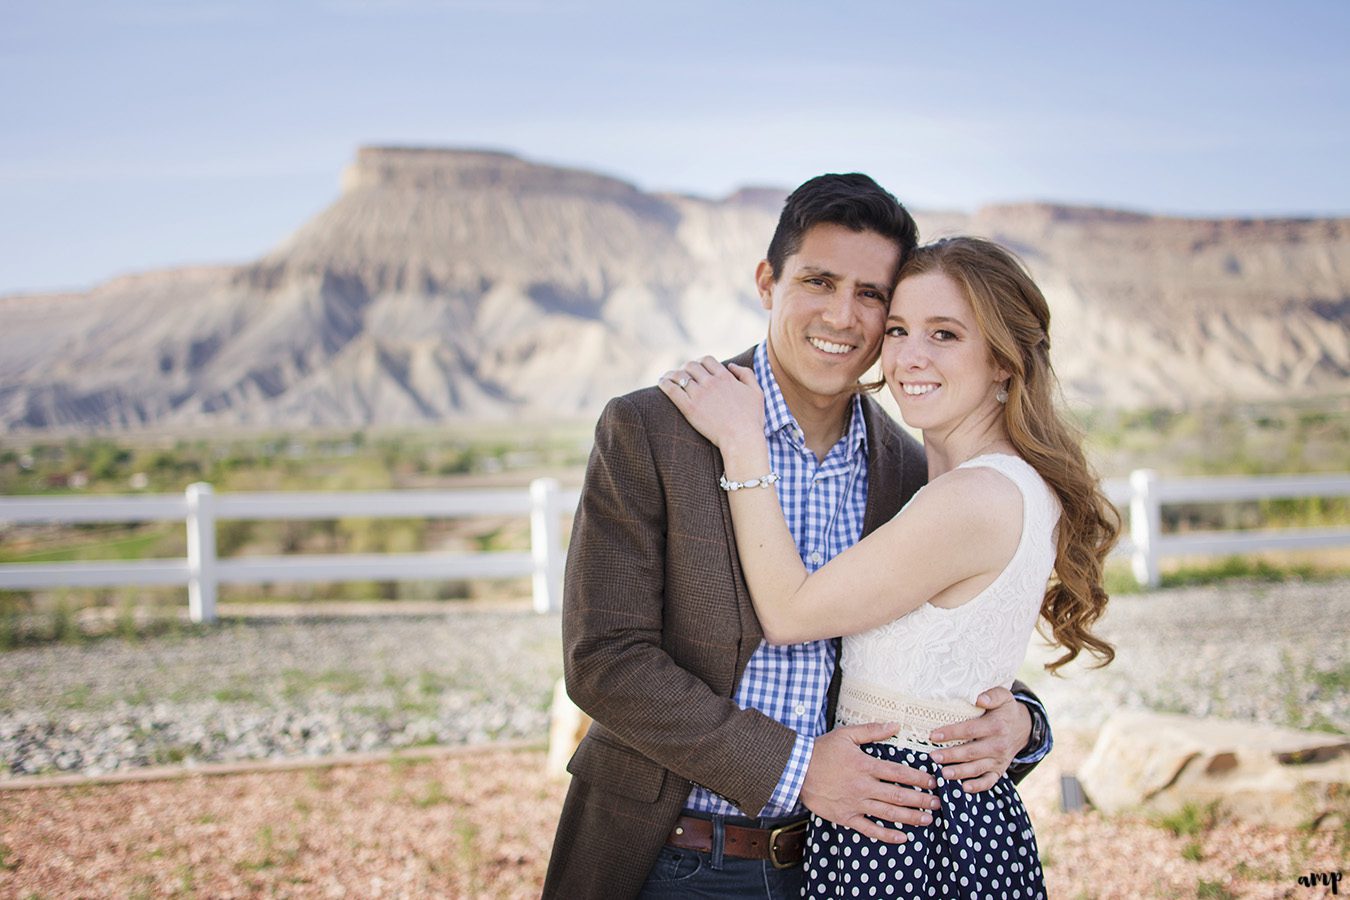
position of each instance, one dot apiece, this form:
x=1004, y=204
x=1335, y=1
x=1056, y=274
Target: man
x=708, y=744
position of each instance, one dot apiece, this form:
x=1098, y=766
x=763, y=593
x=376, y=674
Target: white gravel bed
x=1273, y=653
x=266, y=689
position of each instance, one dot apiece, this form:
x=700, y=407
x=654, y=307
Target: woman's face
x=934, y=358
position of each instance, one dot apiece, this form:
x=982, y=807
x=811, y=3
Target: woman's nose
x=909, y=354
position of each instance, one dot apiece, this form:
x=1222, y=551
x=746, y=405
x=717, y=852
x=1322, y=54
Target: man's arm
x=615, y=621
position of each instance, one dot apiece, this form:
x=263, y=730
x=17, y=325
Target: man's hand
x=995, y=737
x=845, y=785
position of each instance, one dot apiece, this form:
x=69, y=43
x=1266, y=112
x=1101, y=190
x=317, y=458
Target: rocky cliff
x=473, y=285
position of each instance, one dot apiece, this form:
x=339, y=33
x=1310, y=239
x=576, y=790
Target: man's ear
x=764, y=282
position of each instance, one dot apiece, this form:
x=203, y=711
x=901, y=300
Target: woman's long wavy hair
x=1015, y=320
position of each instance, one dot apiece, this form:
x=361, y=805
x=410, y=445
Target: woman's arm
x=953, y=530
x=946, y=535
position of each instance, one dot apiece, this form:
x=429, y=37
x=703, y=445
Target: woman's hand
x=724, y=403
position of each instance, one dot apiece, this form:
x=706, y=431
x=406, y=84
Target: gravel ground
x=277, y=688
x=258, y=689
x=1272, y=653
x=480, y=825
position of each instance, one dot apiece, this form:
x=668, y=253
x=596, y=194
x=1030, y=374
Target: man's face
x=827, y=311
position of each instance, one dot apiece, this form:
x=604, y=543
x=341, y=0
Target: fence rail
x=202, y=572
x=1143, y=494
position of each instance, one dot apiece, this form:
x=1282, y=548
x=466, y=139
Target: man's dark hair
x=854, y=201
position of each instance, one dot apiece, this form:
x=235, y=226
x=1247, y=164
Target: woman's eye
x=944, y=335
x=895, y=331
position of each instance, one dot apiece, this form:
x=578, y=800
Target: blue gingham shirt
x=824, y=502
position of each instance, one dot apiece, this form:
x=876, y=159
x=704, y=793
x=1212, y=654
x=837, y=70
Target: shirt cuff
x=786, y=797
x=1035, y=750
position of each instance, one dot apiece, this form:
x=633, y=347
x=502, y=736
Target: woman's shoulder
x=1016, y=475
x=971, y=497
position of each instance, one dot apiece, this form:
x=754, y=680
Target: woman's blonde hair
x=1015, y=320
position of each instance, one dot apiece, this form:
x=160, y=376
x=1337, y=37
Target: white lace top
x=936, y=653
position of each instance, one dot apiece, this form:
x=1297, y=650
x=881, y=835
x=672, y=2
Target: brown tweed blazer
x=657, y=629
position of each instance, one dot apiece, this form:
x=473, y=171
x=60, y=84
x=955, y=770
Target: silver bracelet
x=761, y=481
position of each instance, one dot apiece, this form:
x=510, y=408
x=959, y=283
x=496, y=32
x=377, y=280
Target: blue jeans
x=680, y=874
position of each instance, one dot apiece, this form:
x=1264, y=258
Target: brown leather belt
x=783, y=846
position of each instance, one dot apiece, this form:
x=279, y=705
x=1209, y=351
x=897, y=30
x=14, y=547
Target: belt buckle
x=773, y=842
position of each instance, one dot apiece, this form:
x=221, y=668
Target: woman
x=940, y=602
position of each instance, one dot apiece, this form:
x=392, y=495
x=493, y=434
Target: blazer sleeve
x=1041, y=742
x=618, y=658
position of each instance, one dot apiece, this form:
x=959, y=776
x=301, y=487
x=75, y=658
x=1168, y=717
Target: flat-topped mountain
x=447, y=284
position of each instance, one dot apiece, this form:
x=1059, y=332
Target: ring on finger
x=683, y=382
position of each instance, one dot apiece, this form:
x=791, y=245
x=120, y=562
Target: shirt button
x=801, y=709
x=816, y=557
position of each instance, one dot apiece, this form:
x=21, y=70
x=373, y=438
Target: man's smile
x=829, y=346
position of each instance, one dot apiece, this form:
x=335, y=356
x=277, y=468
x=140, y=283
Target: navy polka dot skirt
x=979, y=845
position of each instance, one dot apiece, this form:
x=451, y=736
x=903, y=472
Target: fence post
x=546, y=544
x=201, y=552
x=1145, y=527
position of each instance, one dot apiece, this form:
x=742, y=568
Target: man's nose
x=840, y=309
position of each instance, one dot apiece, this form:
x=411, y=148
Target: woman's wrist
x=742, y=462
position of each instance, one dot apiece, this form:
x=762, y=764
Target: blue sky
x=141, y=134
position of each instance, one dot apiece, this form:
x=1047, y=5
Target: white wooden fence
x=1144, y=494
x=544, y=502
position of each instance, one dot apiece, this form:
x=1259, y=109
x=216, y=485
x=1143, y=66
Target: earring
x=1002, y=395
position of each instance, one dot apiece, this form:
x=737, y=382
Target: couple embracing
x=737, y=520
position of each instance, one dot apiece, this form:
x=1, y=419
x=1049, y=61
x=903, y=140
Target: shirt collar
x=777, y=416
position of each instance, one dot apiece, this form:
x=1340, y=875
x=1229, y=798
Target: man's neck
x=822, y=429
x=822, y=424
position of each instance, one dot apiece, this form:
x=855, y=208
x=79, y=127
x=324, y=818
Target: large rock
x=1274, y=776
